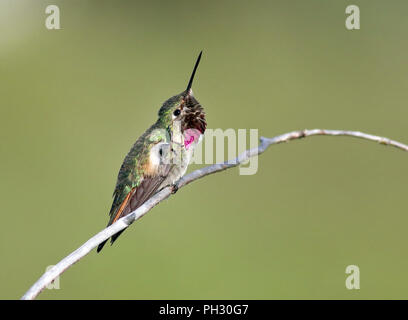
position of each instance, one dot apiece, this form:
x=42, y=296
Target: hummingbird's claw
x=174, y=188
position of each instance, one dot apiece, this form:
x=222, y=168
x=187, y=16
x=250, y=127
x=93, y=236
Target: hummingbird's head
x=184, y=108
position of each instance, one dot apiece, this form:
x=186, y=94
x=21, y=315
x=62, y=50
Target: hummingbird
x=161, y=155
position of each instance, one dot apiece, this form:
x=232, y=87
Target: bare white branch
x=124, y=222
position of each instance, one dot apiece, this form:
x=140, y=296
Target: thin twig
x=124, y=222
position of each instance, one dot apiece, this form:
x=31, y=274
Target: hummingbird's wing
x=127, y=199
x=136, y=198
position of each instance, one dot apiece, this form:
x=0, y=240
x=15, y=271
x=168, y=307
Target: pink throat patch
x=191, y=135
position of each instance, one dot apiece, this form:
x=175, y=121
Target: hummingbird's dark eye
x=176, y=112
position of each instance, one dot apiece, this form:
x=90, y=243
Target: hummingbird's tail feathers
x=113, y=239
x=101, y=245
x=115, y=236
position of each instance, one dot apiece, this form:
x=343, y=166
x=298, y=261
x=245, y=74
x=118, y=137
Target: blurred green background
x=74, y=100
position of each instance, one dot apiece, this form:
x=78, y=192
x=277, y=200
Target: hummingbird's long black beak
x=190, y=83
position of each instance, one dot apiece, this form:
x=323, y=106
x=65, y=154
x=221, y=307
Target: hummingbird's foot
x=174, y=188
